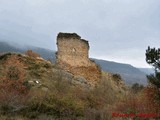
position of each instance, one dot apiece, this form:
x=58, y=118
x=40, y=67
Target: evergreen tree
x=153, y=58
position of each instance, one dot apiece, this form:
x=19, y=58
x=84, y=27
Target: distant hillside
x=5, y=47
x=129, y=73
x=147, y=70
x=45, y=53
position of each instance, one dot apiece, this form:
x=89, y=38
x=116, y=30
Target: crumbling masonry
x=72, y=56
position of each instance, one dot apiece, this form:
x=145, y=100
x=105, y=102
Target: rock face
x=72, y=56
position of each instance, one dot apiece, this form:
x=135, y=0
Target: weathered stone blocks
x=73, y=56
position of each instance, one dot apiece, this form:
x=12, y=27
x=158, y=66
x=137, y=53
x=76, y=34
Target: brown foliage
x=145, y=102
x=30, y=53
x=12, y=90
x=15, y=69
x=152, y=95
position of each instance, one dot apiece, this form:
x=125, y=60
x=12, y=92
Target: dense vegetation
x=30, y=89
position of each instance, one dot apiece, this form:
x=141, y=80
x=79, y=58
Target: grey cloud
x=114, y=28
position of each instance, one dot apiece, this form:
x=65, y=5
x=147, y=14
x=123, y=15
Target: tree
x=153, y=58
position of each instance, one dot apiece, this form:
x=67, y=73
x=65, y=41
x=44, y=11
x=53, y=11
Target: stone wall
x=73, y=56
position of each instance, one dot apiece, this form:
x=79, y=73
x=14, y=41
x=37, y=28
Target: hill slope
x=5, y=47
x=129, y=73
x=147, y=70
x=45, y=53
x=53, y=92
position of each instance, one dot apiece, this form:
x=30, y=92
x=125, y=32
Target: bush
x=144, y=101
x=116, y=76
x=13, y=93
x=137, y=88
x=30, y=53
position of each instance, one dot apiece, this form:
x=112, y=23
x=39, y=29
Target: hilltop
x=129, y=73
x=43, y=71
x=47, y=82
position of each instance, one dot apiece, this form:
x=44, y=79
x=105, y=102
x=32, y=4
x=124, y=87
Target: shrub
x=30, y=53
x=13, y=93
x=145, y=102
x=136, y=88
x=116, y=76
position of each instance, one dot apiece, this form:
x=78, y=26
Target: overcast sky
x=117, y=30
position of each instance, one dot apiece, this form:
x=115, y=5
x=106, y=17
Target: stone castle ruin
x=72, y=56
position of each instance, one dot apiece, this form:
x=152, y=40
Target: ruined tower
x=72, y=56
